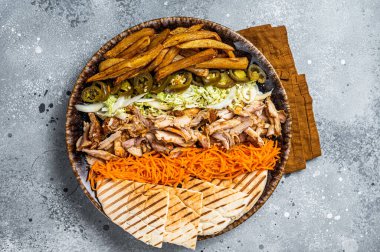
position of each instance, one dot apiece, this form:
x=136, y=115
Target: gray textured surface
x=334, y=205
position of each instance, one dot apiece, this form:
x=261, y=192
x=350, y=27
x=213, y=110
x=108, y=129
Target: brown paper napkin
x=273, y=43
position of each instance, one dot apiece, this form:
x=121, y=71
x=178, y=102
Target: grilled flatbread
x=252, y=183
x=184, y=214
x=221, y=205
x=140, y=209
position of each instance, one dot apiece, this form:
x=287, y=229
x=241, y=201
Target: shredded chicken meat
x=169, y=133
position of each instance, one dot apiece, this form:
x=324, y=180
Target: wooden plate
x=74, y=119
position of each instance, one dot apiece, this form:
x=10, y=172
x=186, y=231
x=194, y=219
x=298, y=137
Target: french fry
x=127, y=75
x=157, y=61
x=205, y=43
x=139, y=61
x=196, y=27
x=203, y=72
x=159, y=38
x=173, y=51
x=189, y=36
x=128, y=41
x=177, y=30
x=188, y=52
x=136, y=48
x=230, y=54
x=105, y=64
x=224, y=63
x=185, y=62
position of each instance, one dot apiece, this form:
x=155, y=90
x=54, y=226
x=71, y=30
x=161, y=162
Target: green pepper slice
x=104, y=88
x=213, y=77
x=224, y=82
x=97, y=92
x=143, y=83
x=125, y=89
x=92, y=94
x=255, y=73
x=197, y=81
x=238, y=75
x=179, y=81
x=159, y=86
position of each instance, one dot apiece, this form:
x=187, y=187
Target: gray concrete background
x=333, y=205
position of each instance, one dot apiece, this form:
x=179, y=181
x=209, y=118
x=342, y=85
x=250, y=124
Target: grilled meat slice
x=245, y=123
x=225, y=114
x=135, y=127
x=182, y=132
x=213, y=115
x=92, y=160
x=203, y=139
x=182, y=121
x=222, y=138
x=135, y=151
x=202, y=115
x=109, y=140
x=111, y=125
x=136, y=111
x=164, y=121
x=83, y=142
x=105, y=155
x=274, y=117
x=239, y=111
x=118, y=148
x=168, y=137
x=191, y=112
x=216, y=126
x=254, y=137
x=255, y=108
x=95, y=133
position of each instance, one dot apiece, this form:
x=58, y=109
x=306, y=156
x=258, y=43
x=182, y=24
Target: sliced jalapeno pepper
x=197, y=81
x=224, y=82
x=238, y=75
x=179, y=81
x=125, y=89
x=91, y=94
x=97, y=92
x=143, y=83
x=160, y=86
x=255, y=73
x=213, y=77
x=104, y=88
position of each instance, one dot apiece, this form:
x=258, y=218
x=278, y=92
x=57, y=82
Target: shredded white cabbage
x=193, y=97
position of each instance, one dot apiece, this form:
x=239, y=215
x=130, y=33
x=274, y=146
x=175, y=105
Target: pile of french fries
x=191, y=48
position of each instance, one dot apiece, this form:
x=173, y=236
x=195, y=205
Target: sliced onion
x=88, y=108
x=223, y=104
x=122, y=116
x=260, y=96
x=145, y=100
x=158, y=105
x=123, y=102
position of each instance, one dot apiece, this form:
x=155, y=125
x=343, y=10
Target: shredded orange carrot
x=205, y=164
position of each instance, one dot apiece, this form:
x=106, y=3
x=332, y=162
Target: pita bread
x=252, y=183
x=221, y=205
x=140, y=209
x=184, y=214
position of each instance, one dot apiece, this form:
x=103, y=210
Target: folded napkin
x=273, y=43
